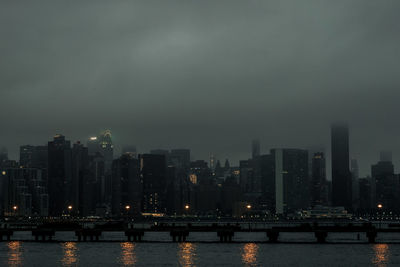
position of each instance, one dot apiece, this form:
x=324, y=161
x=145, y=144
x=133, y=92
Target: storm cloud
x=207, y=75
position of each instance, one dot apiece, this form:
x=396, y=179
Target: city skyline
x=194, y=74
x=245, y=150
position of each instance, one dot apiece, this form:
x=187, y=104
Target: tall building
x=153, y=174
x=93, y=145
x=341, y=176
x=3, y=155
x=106, y=148
x=81, y=186
x=386, y=185
x=59, y=174
x=319, y=192
x=355, y=185
x=127, y=189
x=180, y=158
x=291, y=180
x=255, y=148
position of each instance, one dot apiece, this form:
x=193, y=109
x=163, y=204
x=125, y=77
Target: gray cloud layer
x=209, y=75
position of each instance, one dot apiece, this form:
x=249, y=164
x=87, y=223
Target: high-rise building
x=106, y=148
x=59, y=174
x=319, y=192
x=180, y=158
x=255, y=148
x=153, y=174
x=341, y=176
x=3, y=155
x=81, y=184
x=93, y=145
x=355, y=185
x=386, y=185
x=291, y=180
x=127, y=188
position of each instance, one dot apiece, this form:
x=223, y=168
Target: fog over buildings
x=206, y=75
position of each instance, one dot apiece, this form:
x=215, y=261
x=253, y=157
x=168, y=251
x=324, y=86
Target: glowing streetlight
x=248, y=206
x=380, y=206
x=127, y=207
x=187, y=207
x=70, y=207
x=15, y=208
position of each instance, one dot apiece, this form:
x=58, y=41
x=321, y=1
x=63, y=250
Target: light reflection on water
x=249, y=254
x=187, y=254
x=14, y=253
x=128, y=255
x=381, y=257
x=70, y=257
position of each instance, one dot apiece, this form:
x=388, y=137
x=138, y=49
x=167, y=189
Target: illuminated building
x=153, y=175
x=106, y=148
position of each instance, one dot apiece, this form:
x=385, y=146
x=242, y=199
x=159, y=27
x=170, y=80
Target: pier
x=181, y=231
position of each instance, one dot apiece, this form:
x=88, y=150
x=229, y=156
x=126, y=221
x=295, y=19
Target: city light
x=15, y=207
x=187, y=206
x=127, y=207
x=248, y=206
x=380, y=206
x=69, y=207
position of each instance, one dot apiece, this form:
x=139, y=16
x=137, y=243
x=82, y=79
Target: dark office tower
x=366, y=196
x=93, y=145
x=106, y=148
x=59, y=174
x=291, y=180
x=386, y=185
x=3, y=155
x=319, y=193
x=153, y=176
x=180, y=158
x=98, y=178
x=33, y=157
x=341, y=177
x=26, y=156
x=255, y=148
x=386, y=156
x=355, y=184
x=126, y=195
x=81, y=184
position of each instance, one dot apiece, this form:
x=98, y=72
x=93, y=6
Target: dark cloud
x=209, y=75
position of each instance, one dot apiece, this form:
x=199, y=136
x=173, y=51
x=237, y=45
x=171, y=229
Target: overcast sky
x=207, y=75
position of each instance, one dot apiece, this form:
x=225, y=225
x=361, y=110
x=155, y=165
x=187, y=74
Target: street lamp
x=187, y=207
x=248, y=206
x=380, y=206
x=127, y=207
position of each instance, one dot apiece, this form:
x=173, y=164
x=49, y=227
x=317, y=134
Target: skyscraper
x=106, y=148
x=341, y=177
x=291, y=180
x=153, y=177
x=59, y=174
x=319, y=193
